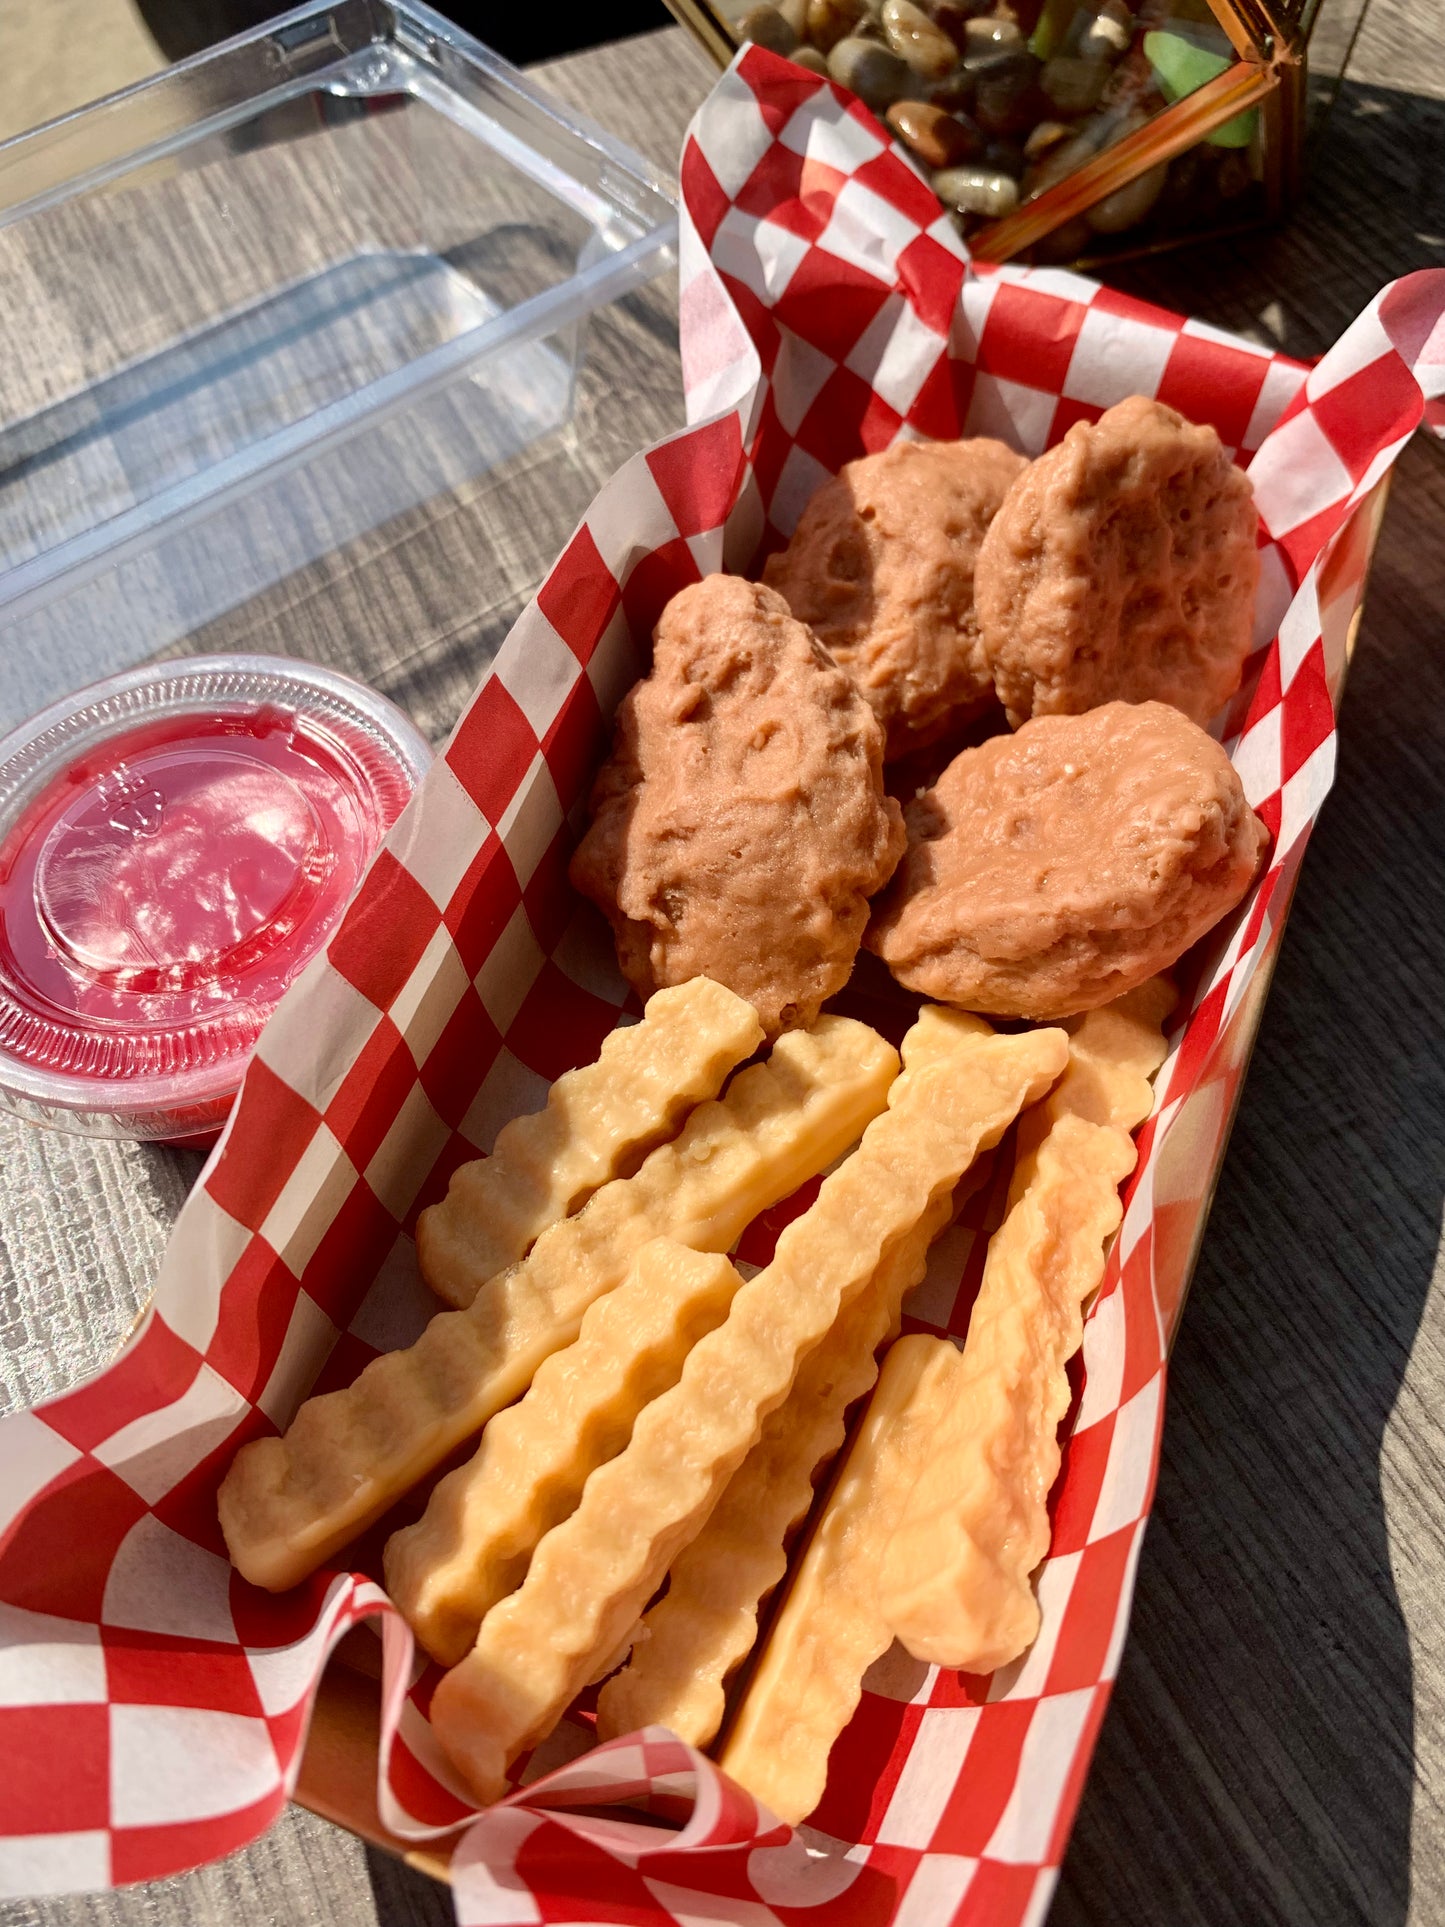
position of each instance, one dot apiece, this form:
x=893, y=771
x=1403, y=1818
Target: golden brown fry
x=471, y=1546
x=543, y=1166
x=287, y=1504
x=591, y=1575
x=831, y=1628
x=955, y=1584
x=1113, y=1054
x=707, y=1620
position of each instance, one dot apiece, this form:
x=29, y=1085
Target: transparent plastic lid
x=175, y=845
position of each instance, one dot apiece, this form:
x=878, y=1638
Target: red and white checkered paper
x=152, y=1705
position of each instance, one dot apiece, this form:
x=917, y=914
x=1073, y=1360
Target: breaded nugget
x=740, y=824
x=881, y=569
x=1052, y=870
x=1121, y=567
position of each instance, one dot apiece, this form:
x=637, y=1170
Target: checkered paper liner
x=153, y=1706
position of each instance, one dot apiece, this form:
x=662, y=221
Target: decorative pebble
x=953, y=18
x=938, y=139
x=1057, y=161
x=1046, y=135
x=1002, y=101
x=811, y=59
x=1087, y=138
x=1065, y=243
x=766, y=27
x=830, y=20
x=977, y=190
x=914, y=37
x=1074, y=85
x=954, y=92
x=875, y=74
x=1005, y=157
x=1127, y=205
x=1101, y=33
x=981, y=37
x=1233, y=174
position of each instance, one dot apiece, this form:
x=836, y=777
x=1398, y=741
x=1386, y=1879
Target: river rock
x=1074, y=85
x=1233, y=174
x=830, y=20
x=914, y=37
x=954, y=92
x=1005, y=157
x=939, y=140
x=875, y=74
x=1127, y=205
x=984, y=37
x=1105, y=33
x=977, y=190
x=1047, y=135
x=766, y=27
x=1065, y=243
x=953, y=18
x=1005, y=97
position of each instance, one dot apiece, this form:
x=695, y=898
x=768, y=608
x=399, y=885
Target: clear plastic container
x=278, y=322
x=276, y=297
x=175, y=845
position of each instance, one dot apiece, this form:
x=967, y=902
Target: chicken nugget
x=740, y=825
x=1121, y=568
x=881, y=566
x=1050, y=871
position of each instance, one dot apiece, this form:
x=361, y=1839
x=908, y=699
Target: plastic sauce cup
x=176, y=844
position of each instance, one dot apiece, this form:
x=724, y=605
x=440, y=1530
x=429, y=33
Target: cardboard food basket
x=155, y=1708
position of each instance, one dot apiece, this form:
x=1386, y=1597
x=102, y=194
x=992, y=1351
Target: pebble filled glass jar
x=1075, y=130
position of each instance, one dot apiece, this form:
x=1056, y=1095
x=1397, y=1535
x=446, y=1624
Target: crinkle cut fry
x=544, y=1165
x=955, y=1584
x=831, y=1628
x=287, y=1504
x=592, y=1575
x=706, y=1622
x=1114, y=1052
x=471, y=1546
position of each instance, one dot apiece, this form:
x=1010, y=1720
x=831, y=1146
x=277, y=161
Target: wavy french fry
x=1113, y=1054
x=471, y=1546
x=706, y=1622
x=955, y=1577
x=597, y=1118
x=591, y=1575
x=288, y=1504
x=831, y=1628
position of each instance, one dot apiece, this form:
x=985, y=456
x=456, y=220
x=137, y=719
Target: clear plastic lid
x=175, y=845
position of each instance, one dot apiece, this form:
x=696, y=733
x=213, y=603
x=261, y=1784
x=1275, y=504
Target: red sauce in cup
x=163, y=882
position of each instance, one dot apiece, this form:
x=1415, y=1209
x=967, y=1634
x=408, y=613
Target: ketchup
x=162, y=889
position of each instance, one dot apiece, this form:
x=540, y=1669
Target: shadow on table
x=404, y=1897
x=1256, y=1767
x=1374, y=207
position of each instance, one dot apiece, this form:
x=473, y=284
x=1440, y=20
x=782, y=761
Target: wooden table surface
x=1276, y=1748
